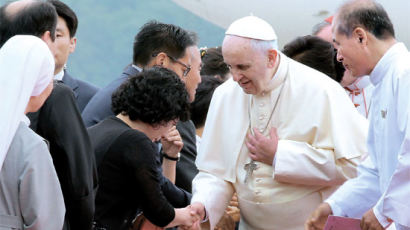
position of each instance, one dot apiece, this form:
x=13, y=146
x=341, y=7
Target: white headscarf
x=26, y=69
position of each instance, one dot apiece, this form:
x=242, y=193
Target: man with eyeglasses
x=159, y=44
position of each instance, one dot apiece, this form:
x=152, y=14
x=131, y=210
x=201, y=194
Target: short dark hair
x=213, y=62
x=155, y=96
x=65, y=12
x=34, y=19
x=369, y=15
x=203, y=96
x=317, y=54
x=155, y=37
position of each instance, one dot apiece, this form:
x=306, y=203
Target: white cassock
x=360, y=92
x=384, y=178
x=322, y=137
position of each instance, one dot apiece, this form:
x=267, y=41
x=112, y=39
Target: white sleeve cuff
x=384, y=221
x=336, y=210
x=274, y=161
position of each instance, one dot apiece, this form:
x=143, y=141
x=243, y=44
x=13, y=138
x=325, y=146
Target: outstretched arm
x=213, y=193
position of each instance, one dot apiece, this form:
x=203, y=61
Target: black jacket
x=59, y=122
x=99, y=108
x=83, y=91
x=131, y=178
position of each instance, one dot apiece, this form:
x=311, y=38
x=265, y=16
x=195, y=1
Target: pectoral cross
x=249, y=167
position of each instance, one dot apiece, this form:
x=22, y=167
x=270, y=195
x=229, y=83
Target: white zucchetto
x=252, y=27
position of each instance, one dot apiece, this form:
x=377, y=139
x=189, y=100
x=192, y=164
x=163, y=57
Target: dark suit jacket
x=186, y=169
x=83, y=91
x=99, y=108
x=59, y=122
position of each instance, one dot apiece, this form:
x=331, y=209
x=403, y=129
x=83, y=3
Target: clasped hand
x=261, y=148
x=196, y=215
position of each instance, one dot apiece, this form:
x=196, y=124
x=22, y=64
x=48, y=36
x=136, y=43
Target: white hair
x=263, y=46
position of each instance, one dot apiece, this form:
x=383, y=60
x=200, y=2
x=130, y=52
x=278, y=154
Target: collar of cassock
x=280, y=75
x=379, y=70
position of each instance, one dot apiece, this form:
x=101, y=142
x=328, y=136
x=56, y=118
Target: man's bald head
x=27, y=17
x=366, y=14
x=13, y=8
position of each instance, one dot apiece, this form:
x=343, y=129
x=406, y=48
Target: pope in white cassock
x=380, y=195
x=280, y=134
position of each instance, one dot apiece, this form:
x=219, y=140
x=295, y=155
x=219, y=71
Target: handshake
x=190, y=217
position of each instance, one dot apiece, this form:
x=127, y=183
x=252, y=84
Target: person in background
x=359, y=89
x=65, y=44
x=200, y=106
x=324, y=29
x=213, y=63
x=317, y=54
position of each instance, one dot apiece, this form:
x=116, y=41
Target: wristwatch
x=166, y=156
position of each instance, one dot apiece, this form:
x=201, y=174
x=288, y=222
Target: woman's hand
x=185, y=217
x=172, y=142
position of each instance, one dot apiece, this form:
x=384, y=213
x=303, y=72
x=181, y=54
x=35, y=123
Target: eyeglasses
x=187, y=67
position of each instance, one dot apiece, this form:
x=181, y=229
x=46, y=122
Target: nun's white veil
x=26, y=69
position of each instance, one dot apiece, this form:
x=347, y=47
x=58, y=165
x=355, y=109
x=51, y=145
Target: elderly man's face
x=351, y=52
x=249, y=67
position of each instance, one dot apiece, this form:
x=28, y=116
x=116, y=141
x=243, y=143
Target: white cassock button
x=258, y=180
x=261, y=130
x=261, y=105
x=261, y=117
x=257, y=192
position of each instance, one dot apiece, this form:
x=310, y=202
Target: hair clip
x=202, y=51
